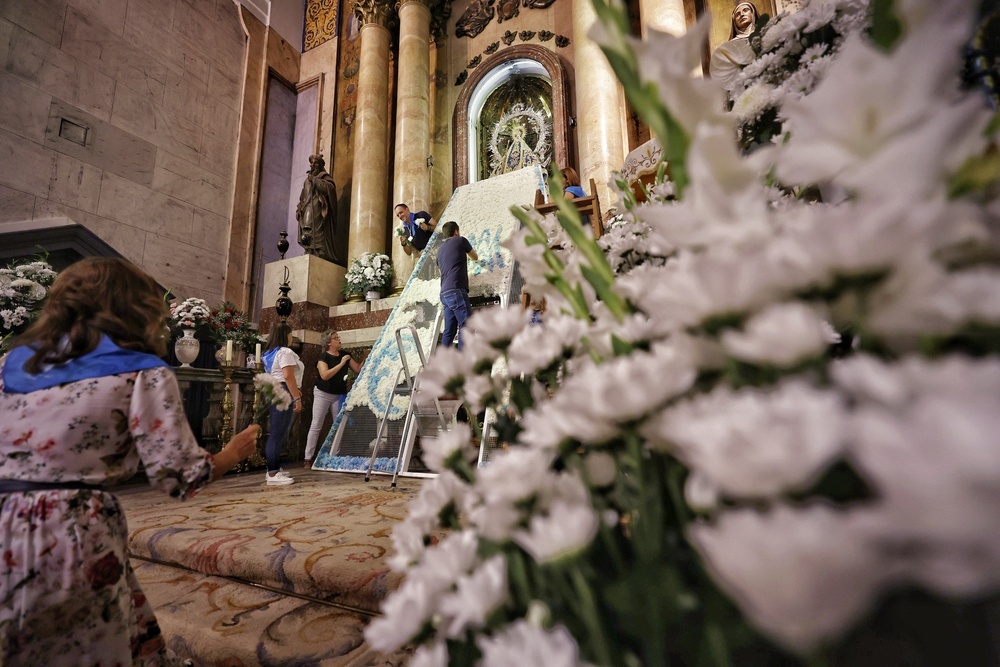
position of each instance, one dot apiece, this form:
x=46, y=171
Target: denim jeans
x=322, y=403
x=457, y=309
x=280, y=421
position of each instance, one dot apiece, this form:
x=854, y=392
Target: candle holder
x=282, y=243
x=257, y=458
x=226, y=434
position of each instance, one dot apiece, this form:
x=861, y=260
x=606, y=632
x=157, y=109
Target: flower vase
x=371, y=295
x=186, y=348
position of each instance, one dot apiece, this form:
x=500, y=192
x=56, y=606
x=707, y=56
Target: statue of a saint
x=518, y=154
x=734, y=55
x=317, y=210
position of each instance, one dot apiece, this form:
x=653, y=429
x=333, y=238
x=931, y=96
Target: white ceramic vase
x=186, y=348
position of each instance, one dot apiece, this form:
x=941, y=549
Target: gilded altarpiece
x=320, y=23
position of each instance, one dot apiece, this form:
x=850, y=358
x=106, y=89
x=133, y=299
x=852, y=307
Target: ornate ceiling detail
x=440, y=14
x=379, y=12
x=480, y=13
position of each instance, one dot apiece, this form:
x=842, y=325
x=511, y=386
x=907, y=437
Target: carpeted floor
x=247, y=574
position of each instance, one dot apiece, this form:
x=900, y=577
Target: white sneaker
x=279, y=478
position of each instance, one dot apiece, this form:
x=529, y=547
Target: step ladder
x=407, y=384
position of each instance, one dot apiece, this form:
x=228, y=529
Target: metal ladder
x=406, y=384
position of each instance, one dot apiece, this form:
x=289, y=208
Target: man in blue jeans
x=454, y=281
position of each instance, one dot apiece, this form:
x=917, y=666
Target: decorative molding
x=508, y=38
x=440, y=15
x=475, y=18
x=492, y=48
x=562, y=41
x=507, y=9
x=545, y=35
x=320, y=22
x=526, y=35
x=560, y=104
x=374, y=12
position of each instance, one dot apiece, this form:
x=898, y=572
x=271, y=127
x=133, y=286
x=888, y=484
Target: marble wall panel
x=127, y=240
x=150, y=121
x=25, y=165
x=15, y=205
x=225, y=86
x=141, y=207
x=23, y=107
x=6, y=33
x=184, y=269
x=109, y=13
x=42, y=65
x=148, y=28
x=108, y=147
x=43, y=18
x=220, y=121
x=193, y=184
x=105, y=51
x=75, y=184
x=218, y=34
x=218, y=156
x=185, y=96
x=210, y=231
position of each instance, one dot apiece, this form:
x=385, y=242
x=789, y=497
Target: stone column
x=369, y=188
x=663, y=15
x=600, y=108
x=411, y=171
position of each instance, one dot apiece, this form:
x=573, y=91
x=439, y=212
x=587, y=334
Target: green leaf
x=886, y=28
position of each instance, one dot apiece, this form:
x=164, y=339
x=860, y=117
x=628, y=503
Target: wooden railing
x=589, y=206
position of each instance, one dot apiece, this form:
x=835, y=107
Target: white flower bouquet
x=693, y=474
x=23, y=288
x=272, y=394
x=369, y=272
x=190, y=313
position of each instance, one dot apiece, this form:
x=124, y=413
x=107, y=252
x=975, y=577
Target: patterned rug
x=308, y=562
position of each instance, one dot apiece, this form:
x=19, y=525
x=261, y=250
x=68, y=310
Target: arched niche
x=560, y=111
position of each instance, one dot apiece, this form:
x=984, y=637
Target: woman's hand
x=244, y=443
x=297, y=404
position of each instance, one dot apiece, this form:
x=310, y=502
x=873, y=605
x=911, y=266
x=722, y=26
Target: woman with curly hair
x=84, y=398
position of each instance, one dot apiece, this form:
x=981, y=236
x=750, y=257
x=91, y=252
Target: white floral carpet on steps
x=325, y=537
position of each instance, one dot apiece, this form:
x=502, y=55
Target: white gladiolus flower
x=445, y=562
x=565, y=530
x=537, y=347
x=600, y=468
x=801, y=576
x=751, y=443
x=753, y=101
x=440, y=448
x=515, y=475
x=521, y=644
x=780, y=335
x=437, y=494
x=445, y=371
x=475, y=597
x=404, y=613
x=430, y=655
x=498, y=325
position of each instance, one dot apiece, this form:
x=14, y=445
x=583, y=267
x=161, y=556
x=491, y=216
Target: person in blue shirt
x=454, y=282
x=419, y=226
x=571, y=184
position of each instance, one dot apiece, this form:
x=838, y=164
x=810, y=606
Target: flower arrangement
x=793, y=53
x=190, y=313
x=402, y=233
x=227, y=322
x=23, y=288
x=693, y=474
x=369, y=272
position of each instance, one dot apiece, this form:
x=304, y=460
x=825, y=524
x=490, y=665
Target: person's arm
x=407, y=248
x=568, y=195
x=326, y=372
x=293, y=388
x=355, y=366
x=240, y=447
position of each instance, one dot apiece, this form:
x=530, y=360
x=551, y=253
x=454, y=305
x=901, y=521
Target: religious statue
x=518, y=154
x=731, y=57
x=317, y=211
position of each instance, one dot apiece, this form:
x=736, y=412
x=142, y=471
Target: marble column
x=663, y=15
x=369, y=188
x=600, y=108
x=411, y=171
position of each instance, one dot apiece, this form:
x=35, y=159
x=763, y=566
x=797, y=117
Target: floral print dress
x=68, y=595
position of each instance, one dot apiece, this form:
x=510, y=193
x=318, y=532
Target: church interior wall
x=123, y=116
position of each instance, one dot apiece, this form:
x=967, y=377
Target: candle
x=229, y=351
x=256, y=357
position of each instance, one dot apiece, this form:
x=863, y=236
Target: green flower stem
x=591, y=617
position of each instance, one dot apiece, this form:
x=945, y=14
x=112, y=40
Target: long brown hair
x=278, y=336
x=570, y=177
x=98, y=295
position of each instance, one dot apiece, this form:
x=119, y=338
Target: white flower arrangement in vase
x=23, y=288
x=693, y=473
x=370, y=272
x=190, y=313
